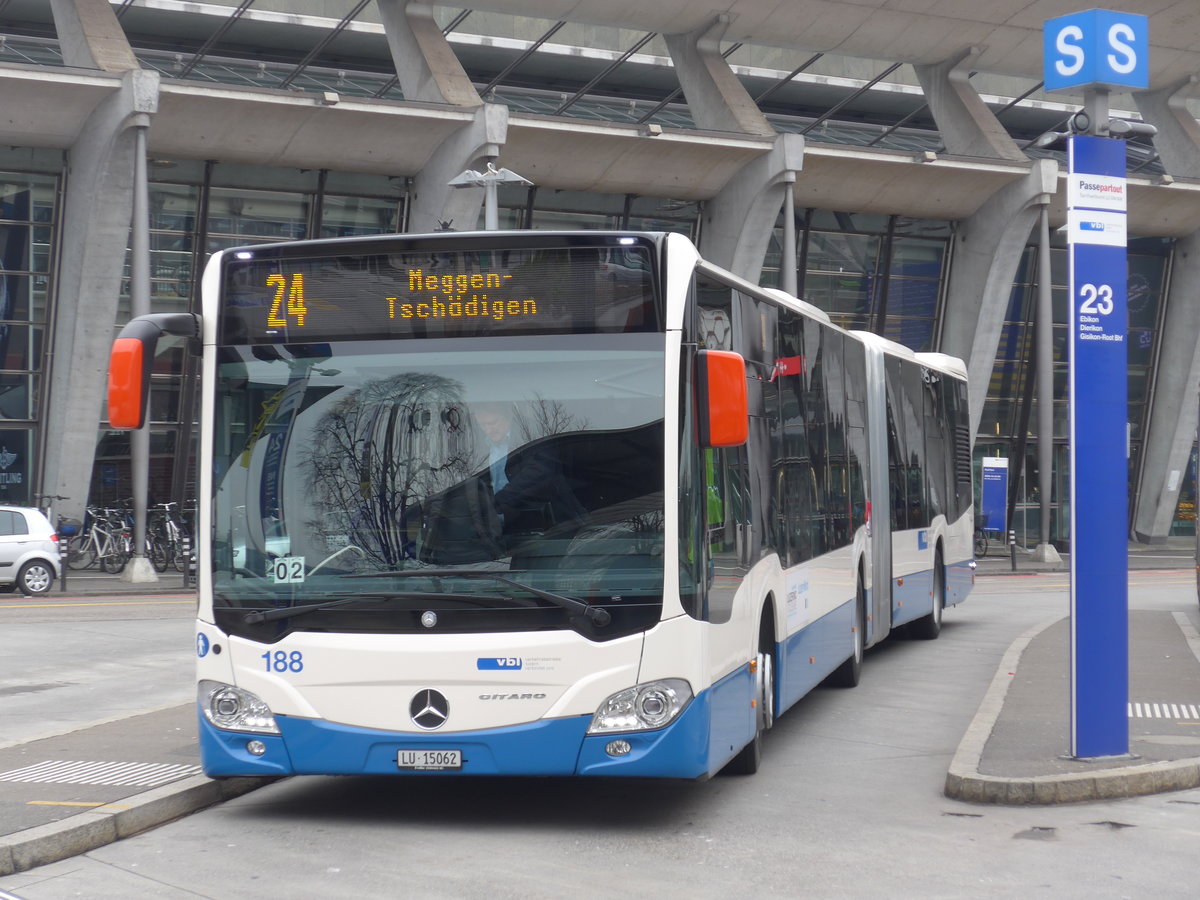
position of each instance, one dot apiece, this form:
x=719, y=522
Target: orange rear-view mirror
x=723, y=413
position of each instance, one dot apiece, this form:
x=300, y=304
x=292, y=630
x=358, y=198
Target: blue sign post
x=993, y=500
x=1096, y=50
x=1098, y=379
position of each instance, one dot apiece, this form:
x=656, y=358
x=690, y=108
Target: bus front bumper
x=548, y=747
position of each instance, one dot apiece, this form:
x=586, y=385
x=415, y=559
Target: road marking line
x=99, y=603
x=63, y=803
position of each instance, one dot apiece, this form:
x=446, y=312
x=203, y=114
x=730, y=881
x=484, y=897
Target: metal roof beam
x=845, y=101
x=624, y=57
x=323, y=43
x=533, y=48
x=788, y=77
x=215, y=37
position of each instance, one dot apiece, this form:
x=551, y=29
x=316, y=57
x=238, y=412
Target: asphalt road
x=848, y=803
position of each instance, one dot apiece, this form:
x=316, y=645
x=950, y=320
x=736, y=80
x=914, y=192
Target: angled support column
x=97, y=210
x=987, y=250
x=90, y=36
x=434, y=202
x=968, y=127
x=1171, y=430
x=738, y=222
x=1178, y=138
x=715, y=97
x=426, y=65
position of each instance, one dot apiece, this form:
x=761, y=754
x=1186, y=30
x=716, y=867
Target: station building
x=891, y=149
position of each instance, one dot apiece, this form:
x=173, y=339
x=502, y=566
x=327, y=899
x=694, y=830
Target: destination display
x=463, y=293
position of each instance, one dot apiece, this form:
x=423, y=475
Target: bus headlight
x=234, y=709
x=647, y=706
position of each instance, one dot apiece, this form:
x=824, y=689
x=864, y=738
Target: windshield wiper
x=257, y=616
x=597, y=614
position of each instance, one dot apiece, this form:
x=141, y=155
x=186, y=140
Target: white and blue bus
x=544, y=503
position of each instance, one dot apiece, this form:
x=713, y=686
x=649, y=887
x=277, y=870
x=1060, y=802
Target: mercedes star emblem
x=429, y=709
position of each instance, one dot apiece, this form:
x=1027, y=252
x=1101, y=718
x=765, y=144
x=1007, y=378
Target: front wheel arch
x=927, y=628
x=749, y=758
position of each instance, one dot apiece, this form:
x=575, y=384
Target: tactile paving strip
x=115, y=773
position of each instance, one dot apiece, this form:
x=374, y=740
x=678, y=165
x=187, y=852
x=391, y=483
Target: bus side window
x=897, y=467
x=913, y=405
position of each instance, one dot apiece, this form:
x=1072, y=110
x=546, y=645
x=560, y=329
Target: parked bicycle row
x=105, y=539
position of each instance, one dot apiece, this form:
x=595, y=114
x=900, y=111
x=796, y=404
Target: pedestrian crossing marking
x=110, y=773
x=1164, y=711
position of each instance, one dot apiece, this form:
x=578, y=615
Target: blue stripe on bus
x=960, y=578
x=827, y=642
x=716, y=724
x=912, y=600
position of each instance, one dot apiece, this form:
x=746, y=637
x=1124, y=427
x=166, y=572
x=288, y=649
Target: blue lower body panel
x=912, y=599
x=827, y=642
x=714, y=726
x=960, y=578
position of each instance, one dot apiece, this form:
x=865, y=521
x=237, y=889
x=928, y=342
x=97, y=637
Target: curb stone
x=965, y=782
x=86, y=831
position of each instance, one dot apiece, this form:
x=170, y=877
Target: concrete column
x=1178, y=138
x=97, y=210
x=967, y=126
x=737, y=223
x=434, y=202
x=426, y=64
x=715, y=97
x=90, y=36
x=987, y=249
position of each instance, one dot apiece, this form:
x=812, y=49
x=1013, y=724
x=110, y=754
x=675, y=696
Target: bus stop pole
x=140, y=569
x=1044, y=340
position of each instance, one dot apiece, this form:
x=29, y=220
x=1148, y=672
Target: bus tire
x=847, y=675
x=929, y=627
x=749, y=757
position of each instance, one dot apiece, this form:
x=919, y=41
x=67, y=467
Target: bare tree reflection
x=543, y=417
x=378, y=452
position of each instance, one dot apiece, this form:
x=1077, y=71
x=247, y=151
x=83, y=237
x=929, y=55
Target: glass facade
x=1009, y=424
x=28, y=216
x=873, y=273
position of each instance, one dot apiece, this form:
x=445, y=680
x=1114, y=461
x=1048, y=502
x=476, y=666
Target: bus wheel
x=929, y=627
x=848, y=673
x=748, y=760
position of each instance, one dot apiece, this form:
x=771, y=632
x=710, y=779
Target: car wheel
x=35, y=577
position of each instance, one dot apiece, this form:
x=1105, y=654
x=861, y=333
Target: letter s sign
x=1096, y=48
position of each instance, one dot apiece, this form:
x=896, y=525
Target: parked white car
x=29, y=556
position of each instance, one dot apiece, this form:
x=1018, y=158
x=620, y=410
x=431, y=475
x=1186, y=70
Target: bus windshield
x=363, y=485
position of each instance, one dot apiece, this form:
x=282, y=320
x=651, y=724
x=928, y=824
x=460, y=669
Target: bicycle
x=168, y=547
x=981, y=543
x=103, y=541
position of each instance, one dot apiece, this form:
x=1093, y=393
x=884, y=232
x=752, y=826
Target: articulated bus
x=544, y=503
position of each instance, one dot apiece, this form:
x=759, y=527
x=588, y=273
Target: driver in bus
x=530, y=492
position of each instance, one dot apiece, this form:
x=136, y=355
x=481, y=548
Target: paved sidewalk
x=1015, y=751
